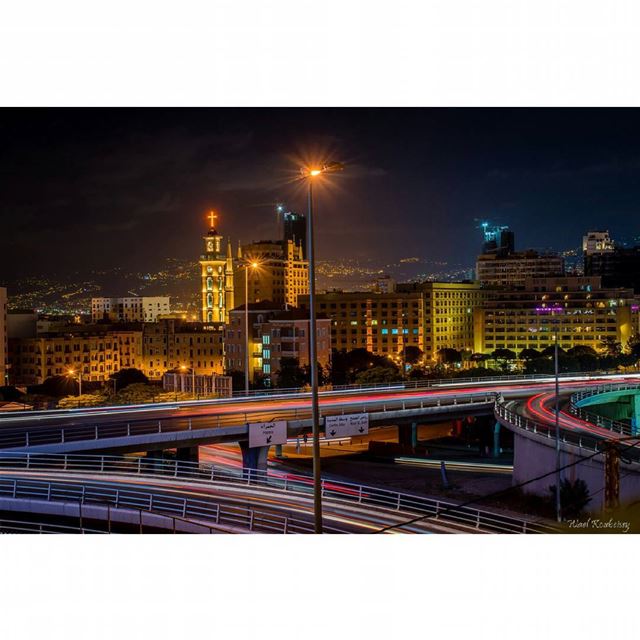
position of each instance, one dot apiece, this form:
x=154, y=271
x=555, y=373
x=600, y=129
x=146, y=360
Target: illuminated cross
x=212, y=219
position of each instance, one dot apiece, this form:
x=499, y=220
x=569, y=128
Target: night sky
x=95, y=188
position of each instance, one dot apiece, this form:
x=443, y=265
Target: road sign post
x=264, y=434
x=353, y=424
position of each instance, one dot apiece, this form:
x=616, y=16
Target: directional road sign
x=353, y=424
x=262, y=434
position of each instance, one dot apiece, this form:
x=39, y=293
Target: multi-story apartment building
x=428, y=315
x=97, y=351
x=281, y=275
x=578, y=309
x=132, y=309
x=172, y=344
x=274, y=335
x=511, y=270
x=235, y=341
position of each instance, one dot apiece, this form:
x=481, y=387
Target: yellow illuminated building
x=97, y=353
x=281, y=276
x=576, y=308
x=428, y=315
x=174, y=344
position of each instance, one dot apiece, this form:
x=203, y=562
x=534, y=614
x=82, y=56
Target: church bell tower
x=216, y=271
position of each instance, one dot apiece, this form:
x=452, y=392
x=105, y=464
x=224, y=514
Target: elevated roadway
x=190, y=424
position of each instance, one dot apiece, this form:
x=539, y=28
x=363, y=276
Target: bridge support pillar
x=635, y=414
x=254, y=459
x=408, y=434
x=187, y=454
x=496, y=440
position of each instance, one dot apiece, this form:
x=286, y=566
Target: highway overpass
x=187, y=425
x=585, y=432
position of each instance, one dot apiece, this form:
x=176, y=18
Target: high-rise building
x=597, y=242
x=3, y=336
x=216, y=273
x=294, y=229
x=131, y=309
x=173, y=344
x=281, y=276
x=428, y=315
x=499, y=241
x=513, y=269
x=577, y=308
x=617, y=266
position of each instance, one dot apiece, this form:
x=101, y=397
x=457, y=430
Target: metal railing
x=605, y=422
x=30, y=435
x=426, y=383
x=407, y=385
x=27, y=526
x=345, y=492
x=583, y=441
x=197, y=511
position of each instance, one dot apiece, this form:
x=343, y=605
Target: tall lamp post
x=557, y=417
x=554, y=310
x=253, y=265
x=310, y=175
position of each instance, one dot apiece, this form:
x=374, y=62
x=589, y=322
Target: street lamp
x=556, y=309
x=248, y=265
x=72, y=372
x=193, y=378
x=310, y=174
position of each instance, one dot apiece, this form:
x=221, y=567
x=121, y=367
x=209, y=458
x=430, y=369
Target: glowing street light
x=309, y=174
x=193, y=377
x=253, y=264
x=72, y=373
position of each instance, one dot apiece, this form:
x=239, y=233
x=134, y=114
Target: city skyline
x=87, y=182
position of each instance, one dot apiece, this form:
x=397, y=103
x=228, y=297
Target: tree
x=549, y=352
x=449, y=356
x=529, y=354
x=345, y=365
x=58, y=386
x=581, y=350
x=291, y=375
x=503, y=356
x=574, y=497
x=377, y=375
x=324, y=374
x=478, y=357
x=237, y=379
x=611, y=347
x=125, y=377
x=412, y=354
x=633, y=347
